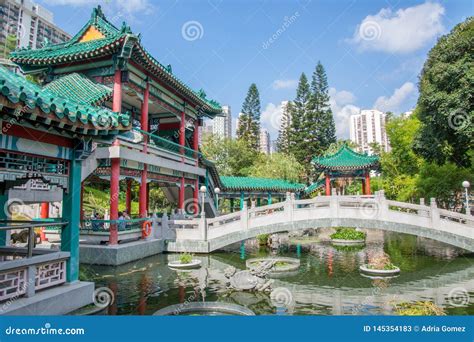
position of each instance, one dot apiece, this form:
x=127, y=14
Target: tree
x=9, y=46
x=446, y=102
x=249, y=121
x=283, y=141
x=232, y=157
x=277, y=165
x=320, y=121
x=297, y=132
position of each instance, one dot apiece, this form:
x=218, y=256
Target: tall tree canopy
x=283, y=141
x=249, y=121
x=446, y=102
x=277, y=165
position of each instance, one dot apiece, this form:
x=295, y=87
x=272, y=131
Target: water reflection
x=327, y=283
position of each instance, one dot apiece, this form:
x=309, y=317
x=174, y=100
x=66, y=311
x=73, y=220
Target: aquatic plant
x=185, y=258
x=344, y=233
x=420, y=308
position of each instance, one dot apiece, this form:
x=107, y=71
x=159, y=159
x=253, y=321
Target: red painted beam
x=33, y=134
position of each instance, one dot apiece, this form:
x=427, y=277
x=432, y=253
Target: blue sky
x=373, y=51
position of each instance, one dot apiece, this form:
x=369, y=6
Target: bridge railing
x=456, y=217
x=219, y=221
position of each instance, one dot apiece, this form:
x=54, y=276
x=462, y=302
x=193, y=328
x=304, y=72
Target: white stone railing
x=356, y=208
x=22, y=276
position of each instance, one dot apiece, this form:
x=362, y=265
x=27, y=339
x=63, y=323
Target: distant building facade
x=222, y=125
x=264, y=141
x=30, y=23
x=367, y=128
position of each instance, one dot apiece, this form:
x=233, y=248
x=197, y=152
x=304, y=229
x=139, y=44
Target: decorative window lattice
x=51, y=274
x=12, y=284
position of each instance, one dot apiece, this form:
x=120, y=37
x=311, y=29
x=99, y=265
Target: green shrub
x=185, y=258
x=348, y=234
x=263, y=239
x=426, y=308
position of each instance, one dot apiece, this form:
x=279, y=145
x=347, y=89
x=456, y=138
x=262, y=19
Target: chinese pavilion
x=108, y=66
x=345, y=163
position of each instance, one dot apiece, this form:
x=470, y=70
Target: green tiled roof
x=68, y=114
x=259, y=184
x=345, y=159
x=79, y=88
x=314, y=186
x=113, y=42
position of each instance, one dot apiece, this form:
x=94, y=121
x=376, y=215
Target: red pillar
x=44, y=214
x=182, y=137
x=128, y=198
x=363, y=186
x=196, y=138
x=181, y=195
x=148, y=197
x=328, y=185
x=114, y=196
x=117, y=94
x=367, y=184
x=143, y=195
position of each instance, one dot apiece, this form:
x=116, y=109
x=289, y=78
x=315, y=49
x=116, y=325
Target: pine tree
x=283, y=140
x=321, y=126
x=249, y=121
x=297, y=134
x=9, y=45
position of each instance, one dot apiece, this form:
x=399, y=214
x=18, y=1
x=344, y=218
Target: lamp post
x=217, y=191
x=466, y=186
x=203, y=194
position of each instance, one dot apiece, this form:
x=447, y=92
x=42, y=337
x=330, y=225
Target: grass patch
x=419, y=308
x=348, y=234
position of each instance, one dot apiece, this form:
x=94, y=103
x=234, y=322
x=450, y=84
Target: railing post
x=382, y=205
x=288, y=208
x=30, y=281
x=244, y=218
x=334, y=204
x=434, y=213
x=423, y=212
x=203, y=227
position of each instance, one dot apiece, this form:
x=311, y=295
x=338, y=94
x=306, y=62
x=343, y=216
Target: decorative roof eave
x=141, y=56
x=246, y=184
x=108, y=47
x=45, y=107
x=345, y=159
x=370, y=166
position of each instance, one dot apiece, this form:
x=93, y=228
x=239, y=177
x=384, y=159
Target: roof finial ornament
x=202, y=93
x=169, y=68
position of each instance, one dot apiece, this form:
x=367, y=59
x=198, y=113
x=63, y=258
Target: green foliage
x=263, y=239
x=446, y=103
x=279, y=166
x=249, y=121
x=185, y=258
x=312, y=128
x=344, y=233
x=444, y=182
x=232, y=157
x=9, y=45
x=419, y=308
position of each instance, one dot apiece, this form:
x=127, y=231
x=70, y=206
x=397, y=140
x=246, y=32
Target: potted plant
x=345, y=236
x=380, y=265
x=185, y=261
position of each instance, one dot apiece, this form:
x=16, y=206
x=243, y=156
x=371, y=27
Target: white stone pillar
x=244, y=218
x=434, y=213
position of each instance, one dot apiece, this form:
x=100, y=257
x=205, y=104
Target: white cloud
x=397, y=100
x=116, y=7
x=271, y=119
x=284, y=84
x=403, y=31
x=342, y=106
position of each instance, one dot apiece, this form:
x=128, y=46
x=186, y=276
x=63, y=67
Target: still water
x=327, y=283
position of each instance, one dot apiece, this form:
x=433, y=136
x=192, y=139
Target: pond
x=328, y=281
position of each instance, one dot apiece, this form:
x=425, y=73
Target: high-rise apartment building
x=368, y=127
x=264, y=141
x=30, y=23
x=222, y=125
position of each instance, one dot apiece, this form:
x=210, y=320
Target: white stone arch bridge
x=201, y=235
